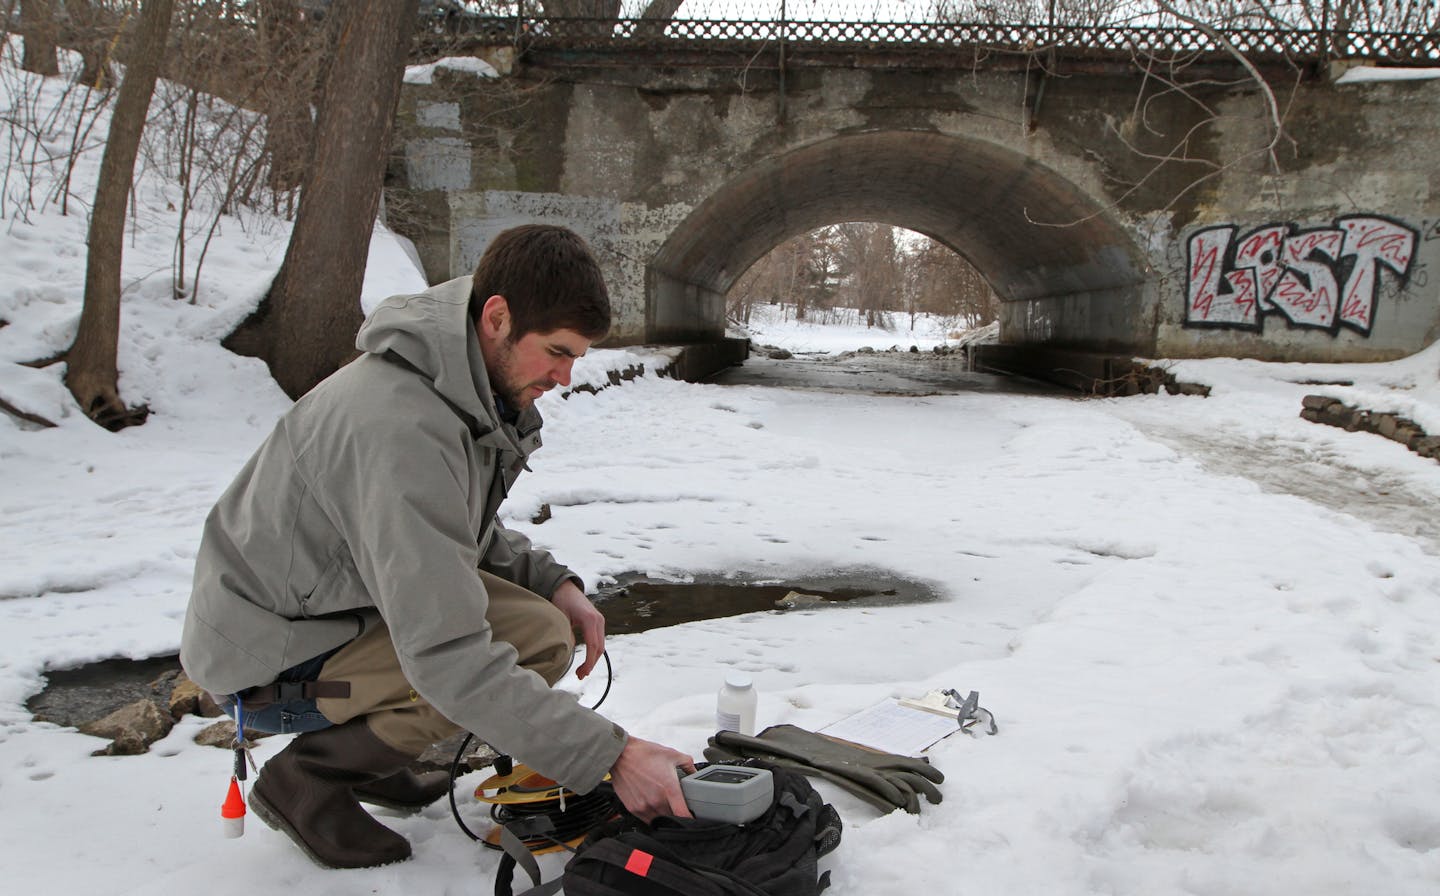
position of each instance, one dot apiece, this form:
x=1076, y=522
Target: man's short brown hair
x=548, y=277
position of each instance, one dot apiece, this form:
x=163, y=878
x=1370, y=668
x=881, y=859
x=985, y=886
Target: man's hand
x=646, y=781
x=585, y=619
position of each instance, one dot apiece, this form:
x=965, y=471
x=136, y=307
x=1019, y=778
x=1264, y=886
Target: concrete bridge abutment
x=1109, y=216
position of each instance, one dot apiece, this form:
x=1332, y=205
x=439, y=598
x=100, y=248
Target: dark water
x=73, y=697
x=638, y=604
x=84, y=694
x=879, y=373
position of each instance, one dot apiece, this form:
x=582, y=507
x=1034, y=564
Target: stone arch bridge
x=1117, y=202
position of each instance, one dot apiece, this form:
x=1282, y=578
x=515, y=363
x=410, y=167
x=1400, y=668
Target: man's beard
x=512, y=393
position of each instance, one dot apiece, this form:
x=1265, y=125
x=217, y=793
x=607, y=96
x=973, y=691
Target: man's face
x=522, y=371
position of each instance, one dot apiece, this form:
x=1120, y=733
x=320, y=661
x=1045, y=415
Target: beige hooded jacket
x=377, y=494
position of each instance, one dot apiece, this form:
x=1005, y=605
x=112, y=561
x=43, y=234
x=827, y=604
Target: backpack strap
x=516, y=853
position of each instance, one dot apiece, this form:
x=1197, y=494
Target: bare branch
x=1268, y=95
x=28, y=417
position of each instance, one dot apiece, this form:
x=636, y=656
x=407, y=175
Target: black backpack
x=774, y=855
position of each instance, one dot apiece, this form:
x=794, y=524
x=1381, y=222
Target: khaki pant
x=539, y=632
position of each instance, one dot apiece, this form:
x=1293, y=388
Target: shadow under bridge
x=1061, y=265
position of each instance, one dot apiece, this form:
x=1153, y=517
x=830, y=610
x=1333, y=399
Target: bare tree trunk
x=583, y=9
x=93, y=374
x=293, y=50
x=661, y=9
x=37, y=22
x=795, y=287
x=306, y=328
x=92, y=32
x=656, y=17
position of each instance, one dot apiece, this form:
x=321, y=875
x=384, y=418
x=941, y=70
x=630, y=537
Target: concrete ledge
x=1085, y=372
x=1334, y=412
x=698, y=361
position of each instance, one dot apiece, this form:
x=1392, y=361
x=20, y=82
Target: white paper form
x=893, y=728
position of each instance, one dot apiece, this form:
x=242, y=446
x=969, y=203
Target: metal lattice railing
x=698, y=34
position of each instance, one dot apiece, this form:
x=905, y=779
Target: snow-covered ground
x=1206, y=683
x=844, y=329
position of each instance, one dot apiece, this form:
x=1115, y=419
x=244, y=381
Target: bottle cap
x=234, y=805
x=737, y=680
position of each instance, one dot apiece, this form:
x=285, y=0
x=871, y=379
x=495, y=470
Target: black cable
x=581, y=814
x=609, y=679
x=469, y=736
x=454, y=774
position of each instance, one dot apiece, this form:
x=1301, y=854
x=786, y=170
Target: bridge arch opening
x=862, y=273
x=982, y=201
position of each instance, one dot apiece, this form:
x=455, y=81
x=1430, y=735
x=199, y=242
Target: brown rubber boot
x=306, y=791
x=405, y=791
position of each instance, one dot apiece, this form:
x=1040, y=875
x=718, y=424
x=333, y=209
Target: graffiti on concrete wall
x=1323, y=278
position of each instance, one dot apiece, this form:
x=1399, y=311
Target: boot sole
x=402, y=808
x=268, y=814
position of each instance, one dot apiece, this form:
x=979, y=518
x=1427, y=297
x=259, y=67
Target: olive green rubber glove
x=885, y=780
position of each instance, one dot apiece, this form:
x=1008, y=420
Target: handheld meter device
x=730, y=793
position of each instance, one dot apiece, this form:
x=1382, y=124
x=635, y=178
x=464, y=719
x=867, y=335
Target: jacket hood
x=433, y=333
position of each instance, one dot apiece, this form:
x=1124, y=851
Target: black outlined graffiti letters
x=1322, y=278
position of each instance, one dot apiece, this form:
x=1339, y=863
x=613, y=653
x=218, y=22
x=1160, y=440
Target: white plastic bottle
x=735, y=705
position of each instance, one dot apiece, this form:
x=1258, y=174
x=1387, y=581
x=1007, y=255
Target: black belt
x=290, y=691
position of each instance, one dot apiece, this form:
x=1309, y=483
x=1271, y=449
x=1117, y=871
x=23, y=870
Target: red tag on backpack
x=639, y=863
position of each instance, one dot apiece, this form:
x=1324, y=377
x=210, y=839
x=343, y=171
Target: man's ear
x=495, y=320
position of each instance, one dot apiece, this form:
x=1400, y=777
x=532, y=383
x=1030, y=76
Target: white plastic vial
x=735, y=705
x=233, y=827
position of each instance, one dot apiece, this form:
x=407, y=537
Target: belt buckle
x=289, y=691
